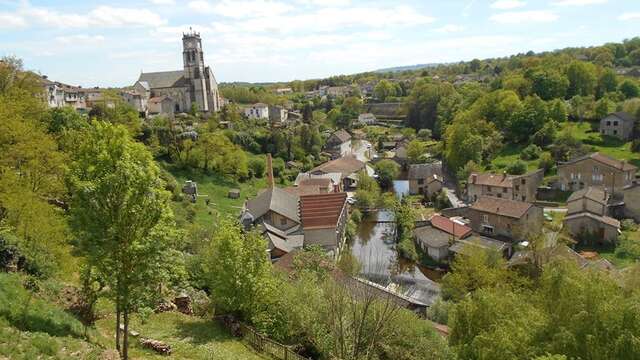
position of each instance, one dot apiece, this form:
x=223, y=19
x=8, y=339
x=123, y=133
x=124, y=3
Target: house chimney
x=269, y=172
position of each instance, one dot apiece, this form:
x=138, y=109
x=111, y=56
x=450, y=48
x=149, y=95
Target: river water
x=374, y=247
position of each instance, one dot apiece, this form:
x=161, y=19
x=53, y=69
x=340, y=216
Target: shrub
x=629, y=225
x=635, y=145
x=257, y=167
x=546, y=162
x=531, y=152
x=518, y=167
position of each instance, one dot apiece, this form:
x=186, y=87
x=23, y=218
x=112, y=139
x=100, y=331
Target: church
x=171, y=92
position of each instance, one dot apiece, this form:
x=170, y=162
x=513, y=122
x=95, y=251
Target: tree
x=383, y=90
x=387, y=171
x=549, y=84
x=582, y=79
x=528, y=121
x=604, y=107
x=367, y=192
x=422, y=104
x=607, y=82
x=237, y=268
x=630, y=89
x=416, y=150
x=558, y=111
x=121, y=217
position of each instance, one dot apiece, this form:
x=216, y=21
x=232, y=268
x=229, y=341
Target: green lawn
x=189, y=337
x=508, y=155
x=611, y=146
x=214, y=188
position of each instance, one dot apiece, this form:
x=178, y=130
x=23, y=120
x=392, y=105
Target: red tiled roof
x=449, y=226
x=321, y=210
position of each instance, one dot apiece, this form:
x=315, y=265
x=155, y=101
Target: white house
x=257, y=111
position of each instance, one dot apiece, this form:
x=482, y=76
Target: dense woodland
x=92, y=202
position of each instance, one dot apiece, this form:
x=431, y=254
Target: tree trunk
x=125, y=342
x=118, y=326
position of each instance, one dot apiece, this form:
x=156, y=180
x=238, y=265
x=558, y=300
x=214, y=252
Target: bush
x=628, y=225
x=635, y=145
x=424, y=134
x=439, y=311
x=518, y=167
x=257, y=167
x=546, y=162
x=628, y=247
x=531, y=152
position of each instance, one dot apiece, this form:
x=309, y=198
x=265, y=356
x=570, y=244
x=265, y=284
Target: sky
x=108, y=43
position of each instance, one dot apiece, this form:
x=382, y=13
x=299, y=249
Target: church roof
x=164, y=79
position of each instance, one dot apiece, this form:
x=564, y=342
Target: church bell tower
x=194, y=69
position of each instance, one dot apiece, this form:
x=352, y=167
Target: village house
x=438, y=235
x=504, y=218
x=618, y=124
x=367, y=119
x=596, y=170
x=257, y=111
x=587, y=215
x=277, y=114
x=324, y=219
x=348, y=166
x=339, y=91
x=334, y=180
x=513, y=187
x=338, y=144
x=425, y=178
x=161, y=105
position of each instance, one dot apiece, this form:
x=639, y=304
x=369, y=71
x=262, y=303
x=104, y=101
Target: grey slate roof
x=591, y=193
x=423, y=171
x=432, y=237
x=276, y=200
x=164, y=79
x=624, y=116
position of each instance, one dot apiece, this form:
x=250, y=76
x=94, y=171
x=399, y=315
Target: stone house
x=277, y=114
x=324, y=218
x=513, y=187
x=618, y=124
x=257, y=111
x=161, y=105
x=425, y=178
x=438, y=235
x=587, y=214
x=510, y=219
x=596, y=170
x=338, y=144
x=348, y=166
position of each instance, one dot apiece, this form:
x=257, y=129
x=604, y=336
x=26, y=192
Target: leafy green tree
x=416, y=150
x=558, y=111
x=582, y=79
x=630, y=89
x=528, y=121
x=237, y=269
x=517, y=167
x=604, y=107
x=367, y=192
x=387, y=171
x=121, y=218
x=607, y=82
x=549, y=84
x=422, y=104
x=383, y=90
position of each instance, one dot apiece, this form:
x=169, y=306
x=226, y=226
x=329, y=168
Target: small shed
x=190, y=188
x=234, y=194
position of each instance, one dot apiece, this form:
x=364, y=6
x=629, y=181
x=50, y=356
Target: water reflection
x=401, y=188
x=375, y=248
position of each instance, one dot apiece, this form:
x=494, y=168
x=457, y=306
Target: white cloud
x=241, y=9
x=9, y=21
x=101, y=16
x=326, y=3
x=80, y=39
x=519, y=17
x=507, y=4
x=450, y=28
x=629, y=16
x=578, y=2
x=163, y=2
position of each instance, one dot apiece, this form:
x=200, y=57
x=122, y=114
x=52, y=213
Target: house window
x=517, y=187
x=615, y=123
x=283, y=221
x=608, y=123
x=596, y=169
x=504, y=190
x=500, y=196
x=485, y=219
x=487, y=229
x=489, y=188
x=524, y=198
x=420, y=181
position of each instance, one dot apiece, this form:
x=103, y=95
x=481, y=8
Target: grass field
x=33, y=326
x=511, y=153
x=215, y=189
x=588, y=133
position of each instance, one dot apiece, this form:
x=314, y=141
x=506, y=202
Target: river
x=374, y=247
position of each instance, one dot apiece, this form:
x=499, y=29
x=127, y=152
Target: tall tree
x=121, y=217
